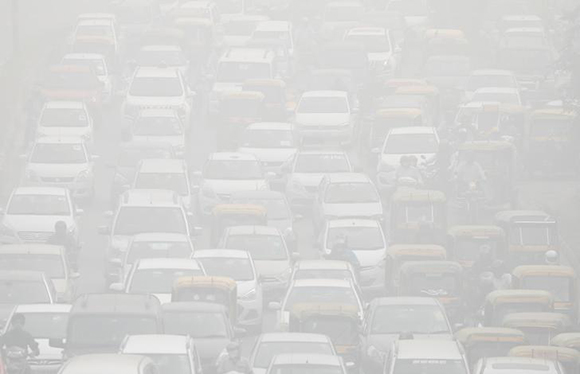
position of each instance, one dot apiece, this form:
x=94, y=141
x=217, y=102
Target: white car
x=325, y=116
x=518, y=365
x=65, y=118
x=32, y=212
x=64, y=162
x=238, y=29
x=273, y=143
x=268, y=249
x=379, y=47
x=307, y=363
x=488, y=78
x=275, y=30
x=306, y=171
x=239, y=266
x=225, y=173
x=502, y=95
x=171, y=56
x=419, y=141
x=158, y=87
x=99, y=64
x=316, y=291
x=366, y=238
x=157, y=126
x=156, y=276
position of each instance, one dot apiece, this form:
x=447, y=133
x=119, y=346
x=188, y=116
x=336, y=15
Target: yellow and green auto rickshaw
x=500, y=303
x=418, y=216
x=567, y=339
x=219, y=290
x=466, y=243
x=538, y=327
x=482, y=342
x=568, y=357
x=227, y=215
x=560, y=281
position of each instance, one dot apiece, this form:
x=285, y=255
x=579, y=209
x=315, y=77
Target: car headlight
x=83, y=175
x=250, y=295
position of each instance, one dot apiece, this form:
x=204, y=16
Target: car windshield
x=321, y=295
x=64, y=117
x=233, y=169
x=499, y=97
x=400, y=144
x=276, y=209
x=44, y=205
x=306, y=369
x=15, y=291
x=159, y=249
x=44, y=153
x=268, y=139
x=46, y=325
x=261, y=247
x=559, y=287
x=238, y=72
x=238, y=269
x=176, y=182
x=351, y=193
x=51, y=265
x=373, y=43
x=357, y=237
x=417, y=366
x=157, y=126
x=133, y=220
x=499, y=80
x=158, y=280
x=158, y=58
x=315, y=105
x=416, y=319
x=323, y=274
x=171, y=363
x=107, y=331
x=321, y=163
x=266, y=351
x=533, y=235
x=198, y=325
x=156, y=87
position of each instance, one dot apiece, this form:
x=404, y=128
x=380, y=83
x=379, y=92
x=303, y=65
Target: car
x=517, y=365
x=158, y=126
x=488, y=78
x=323, y=269
x=239, y=266
x=389, y=317
x=172, y=354
x=66, y=118
x=109, y=362
x=269, y=251
x=156, y=276
x=275, y=29
x=95, y=25
x=43, y=322
x=158, y=87
x=99, y=64
x=310, y=363
x=502, y=95
x=64, y=162
x=225, y=173
x=23, y=287
x=524, y=37
x=366, y=238
x=380, y=49
x=306, y=170
x=238, y=28
x=171, y=56
x=270, y=345
x=165, y=174
x=318, y=291
x=273, y=143
x=419, y=141
x=424, y=355
x=50, y=259
x=324, y=116
x=345, y=195
x=144, y=211
x=32, y=212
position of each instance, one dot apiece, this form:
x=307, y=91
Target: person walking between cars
x=62, y=237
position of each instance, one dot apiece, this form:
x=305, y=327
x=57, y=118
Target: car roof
x=59, y=139
x=220, y=253
x=280, y=126
x=524, y=361
x=160, y=236
x=341, y=283
x=322, y=265
x=99, y=363
x=428, y=349
x=43, y=308
x=348, y=178
x=155, y=72
x=150, y=197
x=405, y=300
x=258, y=230
x=167, y=263
x=163, y=165
x=62, y=104
x=413, y=130
x=353, y=222
x=32, y=249
x=193, y=306
x=306, y=359
x=40, y=190
x=293, y=337
x=156, y=344
x=221, y=156
x=325, y=93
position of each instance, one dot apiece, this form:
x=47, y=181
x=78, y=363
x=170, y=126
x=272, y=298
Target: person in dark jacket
x=18, y=337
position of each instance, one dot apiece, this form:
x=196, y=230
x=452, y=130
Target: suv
x=424, y=356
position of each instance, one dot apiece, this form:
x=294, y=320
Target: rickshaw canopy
x=431, y=267
x=421, y=251
x=472, y=335
x=567, y=339
x=546, y=320
x=548, y=352
x=418, y=196
x=476, y=231
x=254, y=209
x=523, y=271
x=222, y=283
x=499, y=297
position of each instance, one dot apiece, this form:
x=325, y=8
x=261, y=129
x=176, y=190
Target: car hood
x=322, y=119
x=353, y=210
x=83, y=131
x=368, y=258
x=270, y=154
x=271, y=268
x=224, y=186
x=35, y=223
x=57, y=170
x=235, y=40
x=383, y=342
x=155, y=102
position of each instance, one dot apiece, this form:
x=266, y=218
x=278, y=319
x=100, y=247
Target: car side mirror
x=56, y=343
x=116, y=287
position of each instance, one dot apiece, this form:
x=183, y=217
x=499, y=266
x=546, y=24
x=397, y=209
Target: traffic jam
x=297, y=187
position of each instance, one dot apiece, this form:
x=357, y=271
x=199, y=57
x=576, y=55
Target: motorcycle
x=16, y=360
x=471, y=198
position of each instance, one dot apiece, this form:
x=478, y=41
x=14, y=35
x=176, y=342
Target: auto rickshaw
x=227, y=215
x=338, y=321
x=491, y=121
x=465, y=243
x=431, y=93
x=553, y=132
x=236, y=111
x=275, y=106
x=568, y=357
x=399, y=254
x=500, y=303
x=498, y=160
x=418, y=216
x=538, y=327
x=441, y=42
x=481, y=342
x=560, y=281
x=530, y=234
x=439, y=279
x=219, y=290
x=567, y=339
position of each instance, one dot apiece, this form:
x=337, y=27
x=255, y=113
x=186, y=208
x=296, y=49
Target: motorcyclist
x=18, y=337
x=469, y=172
x=62, y=237
x=408, y=170
x=232, y=361
x=552, y=258
x=341, y=251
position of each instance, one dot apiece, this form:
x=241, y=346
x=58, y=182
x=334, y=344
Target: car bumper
x=326, y=134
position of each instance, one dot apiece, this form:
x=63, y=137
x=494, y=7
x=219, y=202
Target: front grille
x=34, y=236
x=57, y=180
